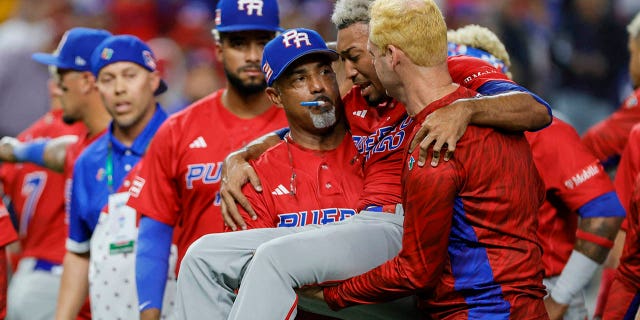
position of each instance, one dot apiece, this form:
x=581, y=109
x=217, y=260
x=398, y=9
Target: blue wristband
x=31, y=151
x=152, y=262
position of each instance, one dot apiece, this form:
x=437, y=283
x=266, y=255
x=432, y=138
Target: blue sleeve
x=31, y=151
x=152, y=262
x=282, y=132
x=605, y=206
x=497, y=87
x=79, y=231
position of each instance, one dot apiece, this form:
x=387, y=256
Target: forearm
x=74, y=286
x=603, y=227
x=49, y=153
x=152, y=264
x=511, y=111
x=55, y=152
x=257, y=147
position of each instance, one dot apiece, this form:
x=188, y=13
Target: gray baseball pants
x=266, y=264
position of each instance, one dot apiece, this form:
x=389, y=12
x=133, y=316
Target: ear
x=154, y=80
x=394, y=54
x=219, y=50
x=88, y=83
x=274, y=96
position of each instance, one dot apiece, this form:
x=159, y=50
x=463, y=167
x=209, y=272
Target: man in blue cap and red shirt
x=80, y=102
x=127, y=79
x=179, y=182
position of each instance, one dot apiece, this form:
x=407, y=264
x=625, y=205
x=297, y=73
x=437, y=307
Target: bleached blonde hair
x=417, y=27
x=481, y=38
x=634, y=26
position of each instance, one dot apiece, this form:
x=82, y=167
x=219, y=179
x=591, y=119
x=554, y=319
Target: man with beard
x=178, y=183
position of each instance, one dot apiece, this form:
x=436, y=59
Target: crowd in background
x=573, y=53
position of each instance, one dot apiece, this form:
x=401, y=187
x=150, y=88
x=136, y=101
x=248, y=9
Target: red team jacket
x=179, y=181
x=607, y=138
x=469, y=241
x=572, y=177
x=326, y=187
x=37, y=194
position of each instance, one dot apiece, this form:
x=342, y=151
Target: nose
x=350, y=69
x=255, y=52
x=316, y=84
x=119, y=86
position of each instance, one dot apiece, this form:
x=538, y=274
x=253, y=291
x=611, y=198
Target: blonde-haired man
x=464, y=216
x=570, y=258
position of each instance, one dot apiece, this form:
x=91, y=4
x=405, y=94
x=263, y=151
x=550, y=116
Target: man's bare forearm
x=55, y=152
x=257, y=147
x=604, y=227
x=512, y=111
x=74, y=285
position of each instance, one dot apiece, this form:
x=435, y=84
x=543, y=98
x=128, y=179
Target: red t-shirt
x=629, y=268
x=37, y=194
x=179, y=180
x=607, y=138
x=325, y=189
x=572, y=177
x=469, y=242
x=380, y=133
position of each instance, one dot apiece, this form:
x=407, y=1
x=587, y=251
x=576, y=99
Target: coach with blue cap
x=313, y=168
x=127, y=79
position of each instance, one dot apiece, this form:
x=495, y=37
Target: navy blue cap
x=289, y=46
x=243, y=15
x=125, y=48
x=74, y=50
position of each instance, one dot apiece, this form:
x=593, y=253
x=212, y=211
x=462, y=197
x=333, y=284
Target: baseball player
x=454, y=237
x=575, y=182
x=126, y=77
x=7, y=235
x=80, y=101
x=315, y=174
x=607, y=139
x=38, y=199
x=179, y=182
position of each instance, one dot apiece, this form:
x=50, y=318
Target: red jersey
x=572, y=177
x=380, y=132
x=628, y=168
x=179, y=180
x=469, y=246
x=607, y=138
x=629, y=269
x=7, y=232
x=37, y=194
x=303, y=186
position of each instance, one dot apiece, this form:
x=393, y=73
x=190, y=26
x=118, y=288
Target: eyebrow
x=346, y=51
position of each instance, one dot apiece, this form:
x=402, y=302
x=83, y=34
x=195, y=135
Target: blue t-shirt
x=90, y=190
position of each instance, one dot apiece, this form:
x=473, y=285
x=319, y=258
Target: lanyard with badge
x=121, y=225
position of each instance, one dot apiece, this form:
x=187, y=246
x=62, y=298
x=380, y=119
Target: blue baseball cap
x=288, y=47
x=74, y=50
x=243, y=15
x=125, y=48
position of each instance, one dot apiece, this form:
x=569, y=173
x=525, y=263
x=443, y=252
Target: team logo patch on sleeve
x=136, y=186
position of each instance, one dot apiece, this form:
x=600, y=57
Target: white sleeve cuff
x=78, y=247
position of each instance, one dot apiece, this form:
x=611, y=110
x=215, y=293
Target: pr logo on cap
x=106, y=54
x=251, y=6
x=296, y=37
x=148, y=59
x=268, y=72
